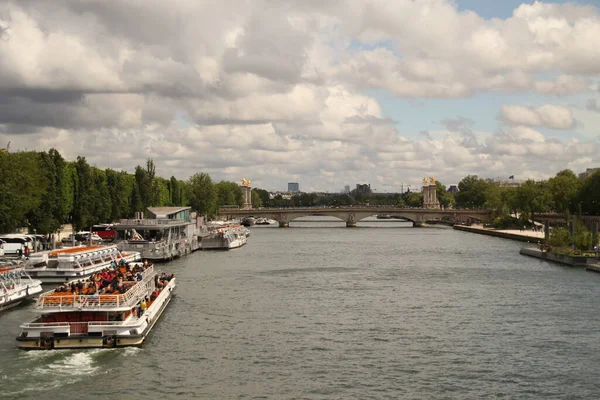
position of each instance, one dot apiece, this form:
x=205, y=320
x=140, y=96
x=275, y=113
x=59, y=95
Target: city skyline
x=327, y=95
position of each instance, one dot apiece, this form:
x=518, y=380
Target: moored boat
x=225, y=237
x=116, y=307
x=172, y=232
x=16, y=285
x=74, y=263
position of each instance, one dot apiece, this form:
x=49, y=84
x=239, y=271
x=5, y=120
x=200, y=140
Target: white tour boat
x=224, y=237
x=74, y=263
x=75, y=317
x=15, y=286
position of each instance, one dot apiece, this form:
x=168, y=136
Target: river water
x=320, y=311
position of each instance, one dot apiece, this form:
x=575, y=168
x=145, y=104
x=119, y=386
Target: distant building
x=363, y=188
x=347, y=189
x=508, y=184
x=588, y=172
x=284, y=195
x=453, y=189
x=293, y=187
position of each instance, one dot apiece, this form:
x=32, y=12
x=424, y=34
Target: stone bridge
x=351, y=215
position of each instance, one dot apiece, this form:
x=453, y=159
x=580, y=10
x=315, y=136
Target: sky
x=323, y=93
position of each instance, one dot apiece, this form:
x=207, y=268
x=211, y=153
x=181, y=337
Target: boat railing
x=79, y=301
x=105, y=323
x=159, y=221
x=43, y=324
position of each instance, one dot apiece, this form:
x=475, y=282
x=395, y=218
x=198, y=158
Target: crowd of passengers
x=114, y=279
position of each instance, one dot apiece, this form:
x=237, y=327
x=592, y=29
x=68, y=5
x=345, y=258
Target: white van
x=16, y=245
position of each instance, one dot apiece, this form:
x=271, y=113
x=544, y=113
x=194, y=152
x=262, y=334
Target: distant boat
x=248, y=221
x=225, y=237
x=16, y=285
x=384, y=216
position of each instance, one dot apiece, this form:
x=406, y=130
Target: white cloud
x=547, y=115
x=282, y=90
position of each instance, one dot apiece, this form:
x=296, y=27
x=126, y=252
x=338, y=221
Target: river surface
x=320, y=311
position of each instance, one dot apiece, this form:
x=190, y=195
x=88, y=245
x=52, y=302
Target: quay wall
x=501, y=234
x=574, y=261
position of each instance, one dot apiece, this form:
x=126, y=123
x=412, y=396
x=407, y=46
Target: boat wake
x=55, y=369
x=75, y=364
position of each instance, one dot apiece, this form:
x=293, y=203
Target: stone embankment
x=589, y=263
x=513, y=234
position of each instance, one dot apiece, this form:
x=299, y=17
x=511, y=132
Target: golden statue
x=424, y=181
x=245, y=182
x=431, y=180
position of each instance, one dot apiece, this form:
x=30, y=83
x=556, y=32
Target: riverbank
x=589, y=263
x=513, y=234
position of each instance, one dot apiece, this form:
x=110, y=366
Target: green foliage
x=229, y=194
x=21, y=188
x=506, y=222
x=559, y=237
x=532, y=197
x=264, y=196
x=589, y=195
x=256, y=201
x=414, y=199
x=161, y=193
x=582, y=240
x=563, y=188
x=53, y=209
x=446, y=199
x=202, y=194
x=472, y=191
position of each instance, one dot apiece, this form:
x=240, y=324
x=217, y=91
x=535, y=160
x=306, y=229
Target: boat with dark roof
x=98, y=314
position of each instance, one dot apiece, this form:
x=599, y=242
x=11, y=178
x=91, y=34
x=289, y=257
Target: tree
x=532, y=197
x=495, y=200
x=53, y=209
x=472, y=192
x=256, y=201
x=21, y=188
x=174, y=192
x=582, y=239
x=444, y=197
x=228, y=194
x=264, y=196
x=202, y=195
x=160, y=190
x=589, y=195
x=414, y=199
x=564, y=188
x=84, y=195
x=145, y=182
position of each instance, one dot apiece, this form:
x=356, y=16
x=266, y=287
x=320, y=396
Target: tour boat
x=74, y=263
x=172, y=232
x=225, y=237
x=79, y=317
x=15, y=286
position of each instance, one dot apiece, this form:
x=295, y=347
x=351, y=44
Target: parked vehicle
x=105, y=231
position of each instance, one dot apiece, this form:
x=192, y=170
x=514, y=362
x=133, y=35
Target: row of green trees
x=43, y=191
x=564, y=194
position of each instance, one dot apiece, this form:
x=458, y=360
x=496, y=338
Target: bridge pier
x=284, y=224
x=350, y=224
